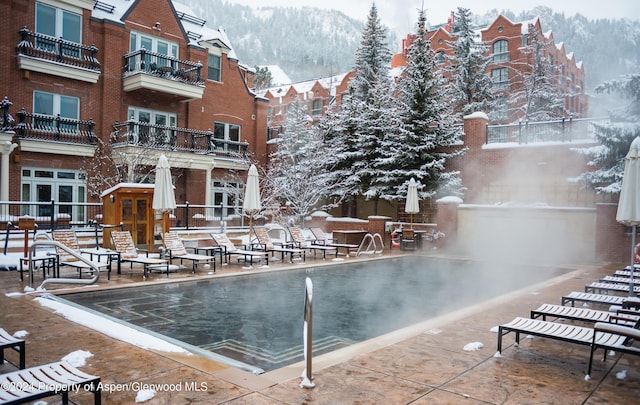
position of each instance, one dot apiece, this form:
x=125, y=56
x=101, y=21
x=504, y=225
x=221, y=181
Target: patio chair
x=7, y=341
x=321, y=239
x=408, y=240
x=124, y=245
x=300, y=242
x=176, y=250
x=229, y=249
x=63, y=258
x=59, y=378
x=628, y=318
x=604, y=335
x=265, y=244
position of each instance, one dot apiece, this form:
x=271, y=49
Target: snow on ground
x=110, y=328
x=77, y=358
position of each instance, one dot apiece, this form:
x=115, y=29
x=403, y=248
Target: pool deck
x=423, y=364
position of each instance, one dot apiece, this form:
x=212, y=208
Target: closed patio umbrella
x=412, y=205
x=251, y=204
x=164, y=198
x=629, y=205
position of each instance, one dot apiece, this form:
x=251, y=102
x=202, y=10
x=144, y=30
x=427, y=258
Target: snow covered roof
x=307, y=85
x=195, y=28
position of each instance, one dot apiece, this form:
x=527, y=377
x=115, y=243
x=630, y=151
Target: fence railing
x=53, y=128
x=175, y=138
x=57, y=50
x=564, y=130
x=157, y=64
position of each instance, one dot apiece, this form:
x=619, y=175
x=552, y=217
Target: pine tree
x=428, y=125
x=472, y=86
x=614, y=137
x=263, y=78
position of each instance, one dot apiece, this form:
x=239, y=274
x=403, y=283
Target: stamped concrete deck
x=423, y=364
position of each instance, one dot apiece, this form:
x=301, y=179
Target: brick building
x=126, y=81
x=509, y=46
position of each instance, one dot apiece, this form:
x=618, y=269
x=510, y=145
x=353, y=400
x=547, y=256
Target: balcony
x=558, y=131
x=157, y=72
x=45, y=54
x=193, y=148
x=53, y=134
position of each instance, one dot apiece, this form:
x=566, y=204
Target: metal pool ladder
x=307, y=333
x=371, y=244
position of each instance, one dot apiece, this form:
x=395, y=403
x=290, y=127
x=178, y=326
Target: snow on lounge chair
x=630, y=335
x=7, y=341
x=300, y=242
x=123, y=244
x=173, y=244
x=229, y=249
x=69, y=239
x=60, y=378
x=585, y=314
x=603, y=299
x=600, y=287
x=321, y=239
x=265, y=244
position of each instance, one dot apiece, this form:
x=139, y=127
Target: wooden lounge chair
x=599, y=287
x=69, y=239
x=321, y=239
x=60, y=378
x=123, y=244
x=7, y=341
x=300, y=242
x=265, y=244
x=229, y=249
x=408, y=240
x=176, y=249
x=584, y=314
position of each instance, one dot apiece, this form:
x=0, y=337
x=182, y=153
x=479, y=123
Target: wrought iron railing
x=152, y=63
x=564, y=130
x=175, y=138
x=57, y=50
x=53, y=128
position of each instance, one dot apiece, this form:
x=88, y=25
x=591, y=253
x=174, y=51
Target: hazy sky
x=402, y=14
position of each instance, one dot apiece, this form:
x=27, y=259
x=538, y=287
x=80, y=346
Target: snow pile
x=473, y=346
x=144, y=395
x=77, y=358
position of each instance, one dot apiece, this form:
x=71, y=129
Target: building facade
x=95, y=88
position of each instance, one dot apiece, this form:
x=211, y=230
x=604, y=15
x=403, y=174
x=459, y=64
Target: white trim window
x=500, y=78
x=58, y=23
x=153, y=122
x=44, y=185
x=226, y=196
x=226, y=137
x=214, y=68
x=47, y=107
x=500, y=50
x=138, y=41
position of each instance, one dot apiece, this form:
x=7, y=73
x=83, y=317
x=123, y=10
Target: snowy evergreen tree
x=472, y=86
x=428, y=126
x=296, y=177
x=614, y=137
x=263, y=78
x=537, y=95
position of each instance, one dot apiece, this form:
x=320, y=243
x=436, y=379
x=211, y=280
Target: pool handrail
x=372, y=242
x=308, y=335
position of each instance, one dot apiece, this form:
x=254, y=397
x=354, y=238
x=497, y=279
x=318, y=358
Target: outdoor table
x=47, y=262
x=350, y=237
x=110, y=254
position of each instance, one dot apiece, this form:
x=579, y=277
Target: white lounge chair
x=584, y=314
x=7, y=341
x=229, y=249
x=300, y=242
x=176, y=249
x=124, y=245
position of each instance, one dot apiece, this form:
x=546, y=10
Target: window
x=226, y=196
x=316, y=106
x=153, y=126
x=62, y=186
x=500, y=51
x=58, y=23
x=213, y=68
x=47, y=107
x=440, y=57
x=138, y=41
x=223, y=133
x=500, y=78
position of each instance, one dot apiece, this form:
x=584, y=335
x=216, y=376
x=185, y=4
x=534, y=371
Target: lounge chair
x=7, y=341
x=599, y=287
x=628, y=333
x=265, y=244
x=300, y=242
x=602, y=299
x=176, y=249
x=229, y=249
x=408, y=240
x=69, y=239
x=321, y=239
x=123, y=244
x=47, y=380
x=584, y=314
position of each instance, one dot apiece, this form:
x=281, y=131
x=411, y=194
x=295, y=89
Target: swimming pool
x=257, y=318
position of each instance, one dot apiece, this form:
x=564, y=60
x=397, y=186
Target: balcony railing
x=57, y=50
x=147, y=62
x=53, y=128
x=174, y=138
x=565, y=130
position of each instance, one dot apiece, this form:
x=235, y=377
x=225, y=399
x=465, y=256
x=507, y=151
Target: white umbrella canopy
x=412, y=205
x=164, y=198
x=629, y=204
x=251, y=203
